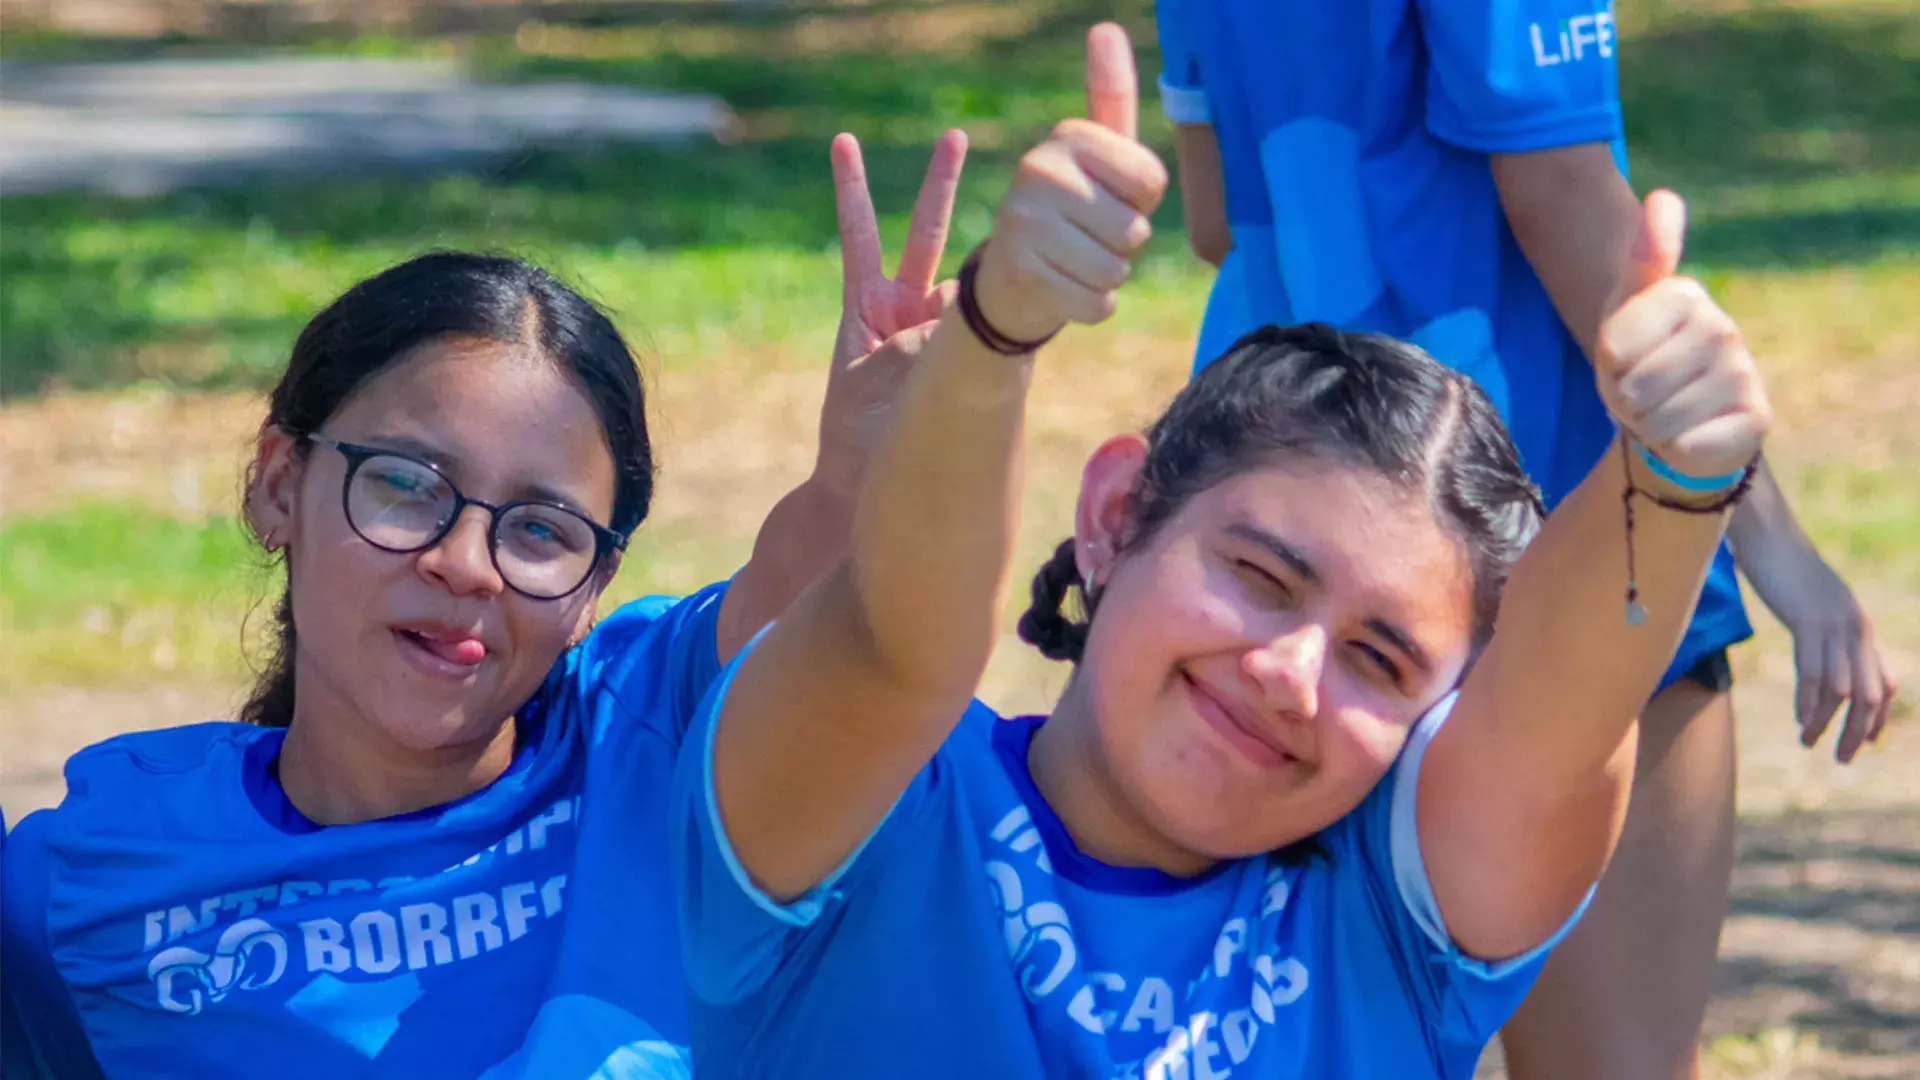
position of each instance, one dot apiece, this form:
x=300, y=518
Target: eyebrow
x=1402, y=641
x=1278, y=548
x=1287, y=553
x=446, y=464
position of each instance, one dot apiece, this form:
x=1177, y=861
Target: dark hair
x=439, y=294
x=1361, y=401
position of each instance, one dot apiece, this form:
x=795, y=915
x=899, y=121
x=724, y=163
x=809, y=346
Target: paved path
x=145, y=127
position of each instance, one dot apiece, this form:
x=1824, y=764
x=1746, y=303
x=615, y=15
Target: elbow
x=1211, y=245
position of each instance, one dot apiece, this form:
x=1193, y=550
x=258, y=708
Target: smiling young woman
x=437, y=846
x=1337, y=764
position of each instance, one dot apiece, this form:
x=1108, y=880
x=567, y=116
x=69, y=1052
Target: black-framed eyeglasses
x=401, y=504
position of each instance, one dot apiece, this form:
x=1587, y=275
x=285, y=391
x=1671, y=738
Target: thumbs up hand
x=1671, y=365
x=1076, y=213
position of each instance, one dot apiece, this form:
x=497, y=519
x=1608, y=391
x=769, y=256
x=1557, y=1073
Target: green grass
x=1869, y=517
x=1795, y=132
x=102, y=593
x=110, y=594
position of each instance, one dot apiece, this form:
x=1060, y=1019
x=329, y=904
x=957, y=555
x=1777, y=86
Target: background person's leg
x=1624, y=996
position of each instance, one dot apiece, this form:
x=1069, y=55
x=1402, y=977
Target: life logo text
x=1573, y=40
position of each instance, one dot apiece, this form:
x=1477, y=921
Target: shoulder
x=637, y=619
x=642, y=640
x=97, y=771
x=148, y=782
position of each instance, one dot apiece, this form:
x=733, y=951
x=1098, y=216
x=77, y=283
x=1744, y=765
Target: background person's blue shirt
x=177, y=916
x=1354, y=141
x=969, y=937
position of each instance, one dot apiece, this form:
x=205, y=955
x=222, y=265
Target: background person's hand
x=1076, y=212
x=1836, y=657
x=1671, y=365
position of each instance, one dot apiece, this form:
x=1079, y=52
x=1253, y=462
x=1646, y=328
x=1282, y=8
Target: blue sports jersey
x=1354, y=140
x=177, y=916
x=969, y=937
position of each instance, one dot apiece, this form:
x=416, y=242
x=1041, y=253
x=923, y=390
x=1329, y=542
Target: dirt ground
x=1820, y=970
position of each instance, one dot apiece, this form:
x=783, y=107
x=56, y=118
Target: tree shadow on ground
x=1820, y=880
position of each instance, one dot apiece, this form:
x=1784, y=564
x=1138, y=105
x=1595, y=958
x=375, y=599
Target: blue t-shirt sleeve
x=43, y=1036
x=653, y=659
x=734, y=936
x=1461, y=993
x=1510, y=76
x=1183, y=93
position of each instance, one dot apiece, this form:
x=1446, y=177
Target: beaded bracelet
x=1742, y=481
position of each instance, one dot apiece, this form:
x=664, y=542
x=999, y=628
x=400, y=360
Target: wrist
x=1690, y=483
x=993, y=309
x=1667, y=487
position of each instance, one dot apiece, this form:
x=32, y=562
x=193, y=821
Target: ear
x=273, y=486
x=1106, y=494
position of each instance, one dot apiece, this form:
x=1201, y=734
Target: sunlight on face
x=1256, y=665
x=429, y=648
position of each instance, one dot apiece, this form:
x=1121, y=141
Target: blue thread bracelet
x=1687, y=481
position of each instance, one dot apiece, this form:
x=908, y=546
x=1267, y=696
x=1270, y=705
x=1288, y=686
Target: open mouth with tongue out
x=440, y=651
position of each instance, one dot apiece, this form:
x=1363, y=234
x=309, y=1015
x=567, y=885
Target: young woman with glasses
x=437, y=844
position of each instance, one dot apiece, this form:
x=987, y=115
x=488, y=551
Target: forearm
x=857, y=685
x=1763, y=514
x=804, y=535
x=1574, y=217
x=1565, y=673
x=934, y=527
x=1524, y=791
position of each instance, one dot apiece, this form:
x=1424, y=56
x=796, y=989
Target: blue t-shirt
x=1354, y=140
x=969, y=937
x=176, y=916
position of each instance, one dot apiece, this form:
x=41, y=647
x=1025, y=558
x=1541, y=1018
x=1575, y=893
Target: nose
x=462, y=562
x=1287, y=669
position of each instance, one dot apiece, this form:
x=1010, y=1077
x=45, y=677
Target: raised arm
x=1574, y=217
x=855, y=687
x=1522, y=793
x=883, y=322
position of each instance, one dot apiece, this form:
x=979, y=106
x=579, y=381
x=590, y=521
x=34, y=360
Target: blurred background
x=183, y=182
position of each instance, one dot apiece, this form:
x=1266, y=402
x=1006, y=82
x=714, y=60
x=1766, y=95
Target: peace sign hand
x=883, y=320
x=874, y=307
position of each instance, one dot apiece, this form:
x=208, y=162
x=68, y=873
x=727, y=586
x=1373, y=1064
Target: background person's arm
x=1522, y=793
x=1203, y=191
x=1574, y=216
x=1183, y=98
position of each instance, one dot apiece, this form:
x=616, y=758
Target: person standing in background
x=1453, y=173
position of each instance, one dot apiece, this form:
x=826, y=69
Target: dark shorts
x=1711, y=671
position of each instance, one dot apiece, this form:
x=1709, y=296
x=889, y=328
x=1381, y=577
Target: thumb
x=1655, y=254
x=1113, y=88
